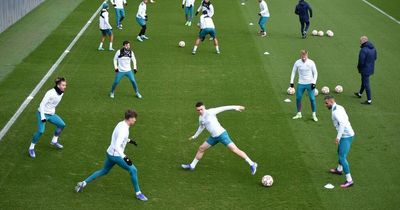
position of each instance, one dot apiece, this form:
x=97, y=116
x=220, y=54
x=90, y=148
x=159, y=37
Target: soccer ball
x=315, y=92
x=314, y=32
x=291, y=91
x=338, y=89
x=267, y=181
x=181, y=44
x=325, y=90
x=320, y=33
x=329, y=33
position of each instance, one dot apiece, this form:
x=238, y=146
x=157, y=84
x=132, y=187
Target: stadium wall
x=13, y=10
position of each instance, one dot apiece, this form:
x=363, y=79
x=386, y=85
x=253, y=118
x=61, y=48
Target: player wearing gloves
x=115, y=155
x=264, y=16
x=206, y=6
x=141, y=19
x=122, y=65
x=188, y=5
x=119, y=11
x=208, y=120
x=47, y=113
x=307, y=81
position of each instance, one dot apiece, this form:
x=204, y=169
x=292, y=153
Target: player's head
x=200, y=108
x=105, y=6
x=145, y=1
x=207, y=1
x=363, y=39
x=130, y=116
x=61, y=83
x=329, y=101
x=303, y=55
x=126, y=44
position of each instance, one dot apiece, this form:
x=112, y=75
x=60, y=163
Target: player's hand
x=116, y=70
x=135, y=71
x=132, y=141
x=128, y=160
x=337, y=141
x=114, y=5
x=313, y=86
x=291, y=85
x=44, y=120
x=126, y=4
x=241, y=108
x=259, y=14
x=146, y=18
x=196, y=13
x=183, y=6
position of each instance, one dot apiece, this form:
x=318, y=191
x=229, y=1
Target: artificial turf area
x=297, y=153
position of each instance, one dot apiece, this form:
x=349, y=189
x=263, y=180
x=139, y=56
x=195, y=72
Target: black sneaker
x=357, y=94
x=366, y=103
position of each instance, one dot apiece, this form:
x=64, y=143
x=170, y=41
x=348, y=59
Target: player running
x=47, y=113
x=208, y=120
x=122, y=66
x=141, y=19
x=344, y=137
x=307, y=81
x=264, y=16
x=207, y=26
x=188, y=5
x=119, y=11
x=105, y=27
x=115, y=155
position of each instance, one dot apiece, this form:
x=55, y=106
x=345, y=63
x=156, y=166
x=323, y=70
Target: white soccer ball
x=325, y=90
x=316, y=92
x=291, y=91
x=314, y=32
x=320, y=33
x=329, y=33
x=338, y=89
x=181, y=44
x=267, y=181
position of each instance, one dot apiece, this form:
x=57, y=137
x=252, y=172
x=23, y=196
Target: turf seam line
x=381, y=11
x=23, y=106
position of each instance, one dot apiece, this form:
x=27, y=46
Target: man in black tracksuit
x=366, y=66
x=304, y=11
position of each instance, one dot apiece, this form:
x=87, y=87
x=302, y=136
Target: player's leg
x=117, y=18
x=191, y=9
x=311, y=95
x=108, y=164
x=60, y=125
x=111, y=36
x=202, y=36
x=131, y=78
x=307, y=26
x=367, y=88
x=103, y=37
x=302, y=26
x=187, y=15
x=117, y=79
x=299, y=94
x=36, y=136
x=362, y=88
x=200, y=152
x=344, y=148
x=261, y=23
x=214, y=37
x=122, y=16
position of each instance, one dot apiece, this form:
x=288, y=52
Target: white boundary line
x=46, y=77
x=381, y=11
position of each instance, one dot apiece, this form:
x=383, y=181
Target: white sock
x=101, y=45
x=369, y=101
x=194, y=163
x=55, y=139
x=138, y=193
x=194, y=48
x=32, y=146
x=110, y=45
x=249, y=161
x=339, y=168
x=299, y=113
x=84, y=183
x=314, y=114
x=217, y=48
x=348, y=177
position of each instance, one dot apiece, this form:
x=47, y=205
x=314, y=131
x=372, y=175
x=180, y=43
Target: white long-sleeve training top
x=123, y=64
x=188, y=3
x=119, y=139
x=104, y=22
x=210, y=122
x=206, y=22
x=308, y=73
x=341, y=122
x=210, y=9
x=264, y=9
x=141, y=13
x=49, y=103
x=119, y=4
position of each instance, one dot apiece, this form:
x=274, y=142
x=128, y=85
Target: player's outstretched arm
x=226, y=108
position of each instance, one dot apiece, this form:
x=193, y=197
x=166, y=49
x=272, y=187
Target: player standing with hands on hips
x=122, y=65
x=47, y=113
x=264, y=16
x=115, y=155
x=307, y=81
x=208, y=120
x=344, y=138
x=141, y=19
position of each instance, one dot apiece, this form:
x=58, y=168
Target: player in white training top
x=105, y=27
x=208, y=120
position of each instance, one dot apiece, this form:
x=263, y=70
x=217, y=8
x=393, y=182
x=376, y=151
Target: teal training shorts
x=223, y=138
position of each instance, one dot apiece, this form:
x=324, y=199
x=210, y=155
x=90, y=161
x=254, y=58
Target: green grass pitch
x=296, y=153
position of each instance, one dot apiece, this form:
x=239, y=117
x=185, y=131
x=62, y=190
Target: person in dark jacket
x=366, y=66
x=304, y=11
